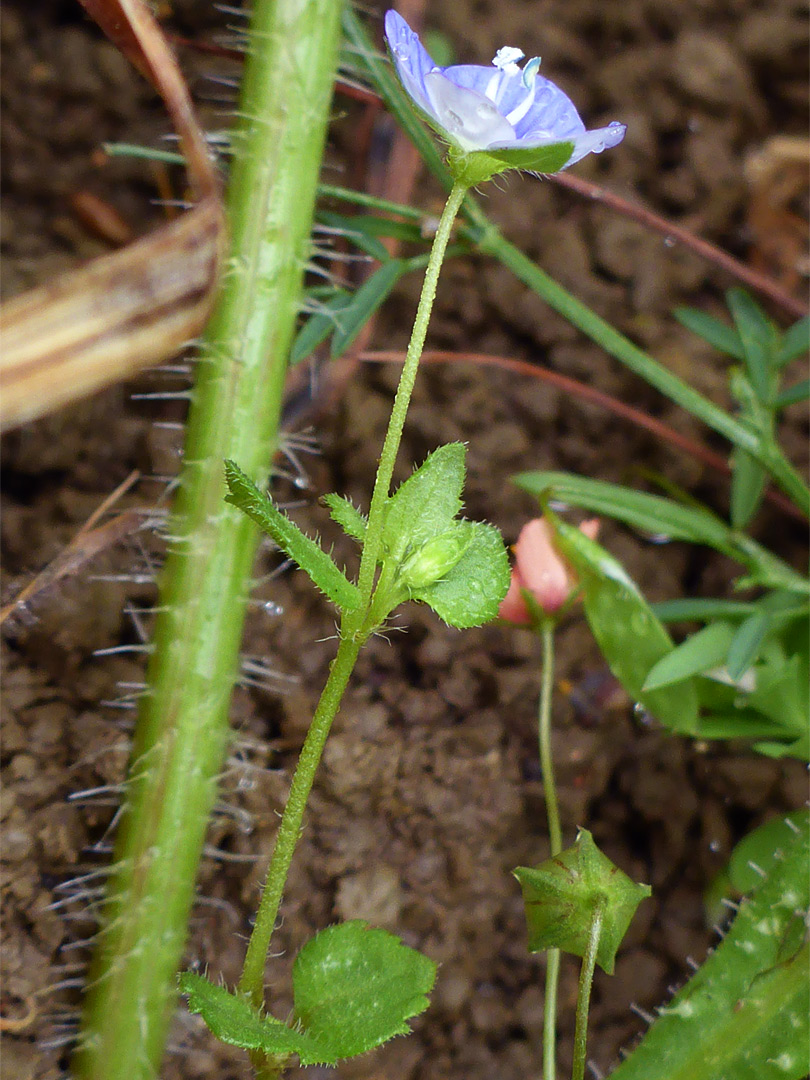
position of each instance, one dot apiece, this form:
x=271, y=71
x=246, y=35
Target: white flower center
x=470, y=118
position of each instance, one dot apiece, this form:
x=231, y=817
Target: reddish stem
x=655, y=223
x=587, y=393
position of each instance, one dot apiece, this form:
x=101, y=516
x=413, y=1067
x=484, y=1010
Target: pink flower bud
x=541, y=570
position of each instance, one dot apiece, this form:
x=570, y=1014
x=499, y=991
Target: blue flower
x=504, y=116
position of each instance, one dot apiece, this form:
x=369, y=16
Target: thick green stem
x=584, y=991
x=183, y=731
x=555, y=840
x=252, y=980
x=385, y=471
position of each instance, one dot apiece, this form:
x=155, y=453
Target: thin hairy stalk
x=252, y=979
x=393, y=436
x=354, y=631
x=555, y=840
x=183, y=729
x=584, y=990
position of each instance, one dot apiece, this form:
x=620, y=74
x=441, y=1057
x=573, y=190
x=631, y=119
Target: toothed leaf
x=346, y=514
x=426, y=503
x=300, y=548
x=355, y=987
x=234, y=1020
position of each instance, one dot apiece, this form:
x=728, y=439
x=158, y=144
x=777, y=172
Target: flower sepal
x=474, y=167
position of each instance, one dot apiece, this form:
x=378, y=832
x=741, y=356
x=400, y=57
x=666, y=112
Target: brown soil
x=430, y=791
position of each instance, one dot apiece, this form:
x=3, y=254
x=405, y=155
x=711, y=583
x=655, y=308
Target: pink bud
x=541, y=570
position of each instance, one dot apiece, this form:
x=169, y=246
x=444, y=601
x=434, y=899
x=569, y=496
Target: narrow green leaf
x=724, y=338
x=362, y=198
x=745, y=1013
x=651, y=514
x=346, y=514
x=746, y=643
x=350, y=228
x=700, y=609
x=368, y=298
x=148, y=153
x=470, y=592
x=700, y=653
x=355, y=987
x=561, y=894
x=781, y=694
x=368, y=228
x=800, y=391
x=747, y=487
x=300, y=548
x=664, y=518
x=631, y=638
x=425, y=504
x=795, y=341
x=759, y=340
x=317, y=328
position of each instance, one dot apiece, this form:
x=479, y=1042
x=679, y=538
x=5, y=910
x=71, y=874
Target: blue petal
x=552, y=114
x=594, y=142
x=412, y=60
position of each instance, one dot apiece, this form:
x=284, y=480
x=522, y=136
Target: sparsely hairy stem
x=183, y=727
x=555, y=841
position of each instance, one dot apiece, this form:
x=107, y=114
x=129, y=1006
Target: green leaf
x=426, y=503
x=657, y=516
x=651, y=514
x=471, y=591
x=795, y=341
x=781, y=694
x=561, y=896
x=355, y=987
x=699, y=653
x=367, y=227
x=362, y=198
x=346, y=514
x=364, y=302
x=631, y=638
x=745, y=646
x=319, y=326
x=301, y=549
x=744, y=1014
x=234, y=1020
x=355, y=230
x=799, y=391
x=753, y=858
x=724, y=338
x=759, y=340
x=748, y=481
x=702, y=609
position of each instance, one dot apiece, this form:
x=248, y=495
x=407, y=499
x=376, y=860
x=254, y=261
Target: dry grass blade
x=126, y=311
